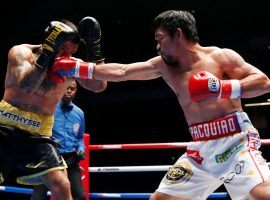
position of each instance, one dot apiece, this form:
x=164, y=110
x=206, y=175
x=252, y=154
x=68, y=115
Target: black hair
x=76, y=39
x=172, y=19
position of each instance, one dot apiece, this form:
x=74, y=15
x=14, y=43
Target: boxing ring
x=87, y=170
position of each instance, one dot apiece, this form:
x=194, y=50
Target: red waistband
x=218, y=128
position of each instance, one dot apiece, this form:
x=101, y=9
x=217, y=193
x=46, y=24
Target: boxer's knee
x=57, y=182
x=159, y=196
x=162, y=196
x=261, y=191
x=153, y=196
x=62, y=184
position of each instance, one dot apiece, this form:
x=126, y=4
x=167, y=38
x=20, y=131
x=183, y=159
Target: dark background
x=141, y=111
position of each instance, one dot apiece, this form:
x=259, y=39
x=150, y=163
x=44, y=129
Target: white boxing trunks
x=224, y=151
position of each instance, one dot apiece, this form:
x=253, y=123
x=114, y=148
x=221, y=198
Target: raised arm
x=90, y=32
x=253, y=81
x=234, y=79
x=30, y=71
x=21, y=65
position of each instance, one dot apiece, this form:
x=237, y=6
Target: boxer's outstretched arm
x=122, y=72
x=72, y=67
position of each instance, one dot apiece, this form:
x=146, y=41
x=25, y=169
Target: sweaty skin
x=29, y=88
x=223, y=63
x=22, y=75
x=180, y=59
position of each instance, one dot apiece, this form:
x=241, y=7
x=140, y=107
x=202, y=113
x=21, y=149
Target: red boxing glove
x=57, y=79
x=73, y=67
x=205, y=85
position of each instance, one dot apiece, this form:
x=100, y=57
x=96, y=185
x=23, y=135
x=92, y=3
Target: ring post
x=84, y=165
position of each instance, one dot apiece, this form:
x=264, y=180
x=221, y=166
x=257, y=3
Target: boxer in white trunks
x=209, y=83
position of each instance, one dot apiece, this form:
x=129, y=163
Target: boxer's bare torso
x=223, y=63
x=28, y=87
x=177, y=78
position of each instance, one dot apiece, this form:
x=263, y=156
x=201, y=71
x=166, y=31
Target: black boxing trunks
x=29, y=156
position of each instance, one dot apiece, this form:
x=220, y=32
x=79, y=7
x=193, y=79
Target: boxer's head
x=171, y=20
x=68, y=25
x=172, y=30
x=64, y=36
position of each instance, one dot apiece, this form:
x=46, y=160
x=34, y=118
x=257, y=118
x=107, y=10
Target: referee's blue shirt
x=69, y=127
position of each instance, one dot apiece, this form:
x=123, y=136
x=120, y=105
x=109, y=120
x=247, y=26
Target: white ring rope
x=133, y=168
x=150, y=145
x=130, y=168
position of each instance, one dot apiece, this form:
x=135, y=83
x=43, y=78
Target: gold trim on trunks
x=31, y=122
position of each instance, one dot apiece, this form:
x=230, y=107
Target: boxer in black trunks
x=32, y=91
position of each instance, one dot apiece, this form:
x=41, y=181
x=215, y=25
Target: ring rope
x=127, y=169
x=103, y=195
x=150, y=145
x=153, y=168
x=219, y=195
x=139, y=146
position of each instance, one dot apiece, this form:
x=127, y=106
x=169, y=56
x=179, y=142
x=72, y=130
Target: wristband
x=230, y=89
x=85, y=72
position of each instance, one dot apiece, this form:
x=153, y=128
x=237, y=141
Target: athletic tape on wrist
x=77, y=69
x=91, y=68
x=230, y=89
x=82, y=73
x=236, y=89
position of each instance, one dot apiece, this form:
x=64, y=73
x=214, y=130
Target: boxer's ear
x=178, y=33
